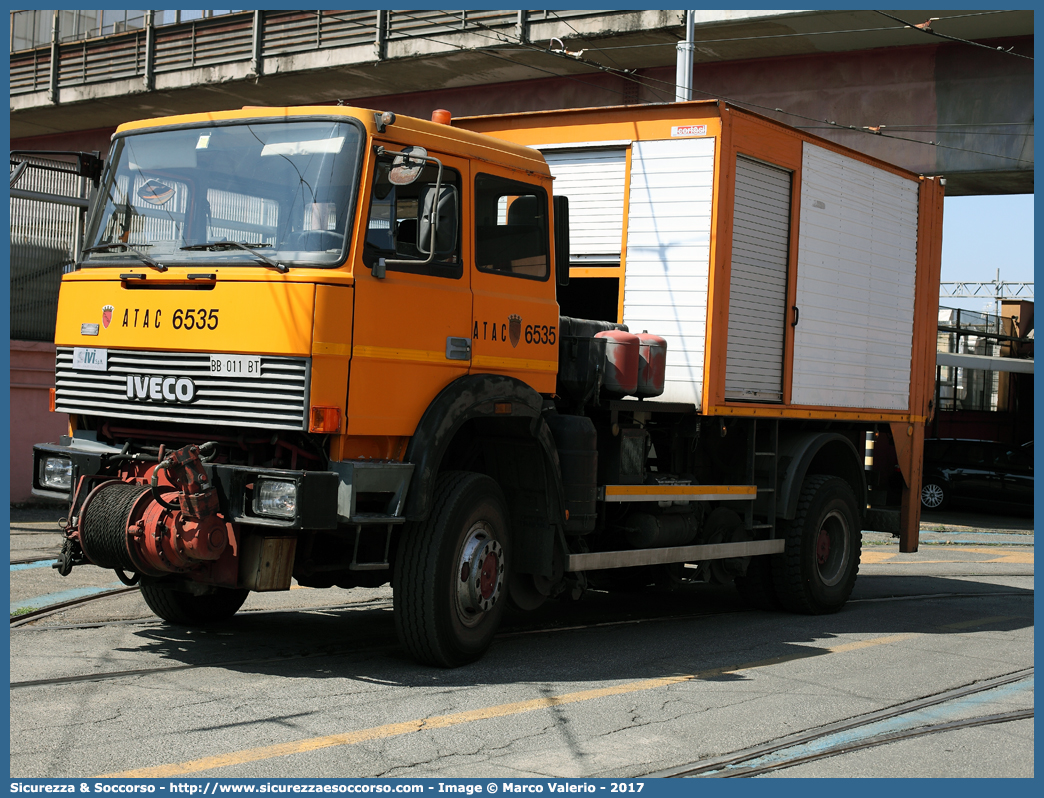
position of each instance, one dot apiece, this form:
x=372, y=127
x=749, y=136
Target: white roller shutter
x=668, y=255
x=593, y=179
x=857, y=265
x=758, y=282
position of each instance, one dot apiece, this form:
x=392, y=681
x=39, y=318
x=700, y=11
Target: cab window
x=396, y=217
x=511, y=229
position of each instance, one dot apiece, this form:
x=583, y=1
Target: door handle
x=796, y=313
x=458, y=348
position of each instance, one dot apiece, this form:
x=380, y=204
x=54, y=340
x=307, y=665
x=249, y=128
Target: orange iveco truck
x=342, y=347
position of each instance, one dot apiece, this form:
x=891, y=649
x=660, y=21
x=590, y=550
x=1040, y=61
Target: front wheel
x=451, y=572
x=187, y=609
x=818, y=567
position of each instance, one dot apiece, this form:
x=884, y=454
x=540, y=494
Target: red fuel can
x=652, y=364
x=621, y=361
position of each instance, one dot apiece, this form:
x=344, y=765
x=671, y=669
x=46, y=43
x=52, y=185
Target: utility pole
x=683, y=72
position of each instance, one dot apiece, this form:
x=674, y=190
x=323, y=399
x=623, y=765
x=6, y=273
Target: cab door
x=515, y=326
x=413, y=326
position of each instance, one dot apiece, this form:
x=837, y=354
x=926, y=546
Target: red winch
x=143, y=526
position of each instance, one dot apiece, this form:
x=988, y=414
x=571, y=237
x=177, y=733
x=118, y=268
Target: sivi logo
x=146, y=388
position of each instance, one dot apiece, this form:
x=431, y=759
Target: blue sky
x=982, y=234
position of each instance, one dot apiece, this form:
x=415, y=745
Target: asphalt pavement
x=314, y=683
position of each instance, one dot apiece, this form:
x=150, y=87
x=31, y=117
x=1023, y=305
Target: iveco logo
x=147, y=388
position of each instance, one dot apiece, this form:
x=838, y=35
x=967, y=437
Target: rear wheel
x=187, y=609
x=817, y=570
x=451, y=572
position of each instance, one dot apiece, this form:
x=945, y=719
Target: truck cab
x=238, y=268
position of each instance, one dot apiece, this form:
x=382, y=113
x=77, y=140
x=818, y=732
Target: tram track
x=373, y=645
x=51, y=609
x=42, y=612
x=31, y=560
x=884, y=739
x=363, y=646
x=743, y=763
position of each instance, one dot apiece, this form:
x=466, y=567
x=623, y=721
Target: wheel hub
x=823, y=546
x=481, y=573
x=832, y=548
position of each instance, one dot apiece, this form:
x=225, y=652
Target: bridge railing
x=251, y=36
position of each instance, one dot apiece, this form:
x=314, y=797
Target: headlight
x=56, y=472
x=275, y=497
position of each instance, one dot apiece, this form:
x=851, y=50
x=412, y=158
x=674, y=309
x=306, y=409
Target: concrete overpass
x=953, y=97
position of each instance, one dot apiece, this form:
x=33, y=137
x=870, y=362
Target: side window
x=397, y=216
x=511, y=232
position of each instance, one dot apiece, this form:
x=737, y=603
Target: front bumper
x=316, y=491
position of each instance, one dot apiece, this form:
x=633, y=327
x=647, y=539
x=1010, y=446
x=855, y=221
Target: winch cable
x=104, y=525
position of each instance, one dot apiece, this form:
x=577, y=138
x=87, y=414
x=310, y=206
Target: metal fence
x=44, y=242
x=247, y=36
x=969, y=332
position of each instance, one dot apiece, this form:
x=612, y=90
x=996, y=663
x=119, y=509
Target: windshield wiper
x=279, y=267
x=155, y=264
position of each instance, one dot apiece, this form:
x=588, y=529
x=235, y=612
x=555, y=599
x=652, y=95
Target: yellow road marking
x=485, y=713
x=876, y=641
x=1024, y=557
x=875, y=557
x=885, y=557
x=978, y=622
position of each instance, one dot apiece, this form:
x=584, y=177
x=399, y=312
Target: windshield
x=231, y=194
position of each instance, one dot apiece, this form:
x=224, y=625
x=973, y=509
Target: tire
x=445, y=614
x=756, y=587
x=934, y=495
x=817, y=570
x=186, y=609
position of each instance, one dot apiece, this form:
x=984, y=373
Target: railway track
x=375, y=644
x=747, y=762
x=51, y=609
x=365, y=645
x=31, y=560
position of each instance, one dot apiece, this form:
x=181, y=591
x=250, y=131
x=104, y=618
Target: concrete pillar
x=52, y=92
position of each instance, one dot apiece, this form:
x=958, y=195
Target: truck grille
x=278, y=399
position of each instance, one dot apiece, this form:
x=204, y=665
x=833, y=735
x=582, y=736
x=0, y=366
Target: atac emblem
x=514, y=329
x=106, y=316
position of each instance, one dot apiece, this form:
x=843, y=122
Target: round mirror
x=407, y=166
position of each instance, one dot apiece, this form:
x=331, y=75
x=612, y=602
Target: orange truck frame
x=336, y=346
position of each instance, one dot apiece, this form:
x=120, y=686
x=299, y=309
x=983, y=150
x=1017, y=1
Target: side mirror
x=438, y=218
x=407, y=165
x=561, y=206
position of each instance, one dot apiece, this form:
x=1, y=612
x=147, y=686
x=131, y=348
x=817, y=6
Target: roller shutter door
x=668, y=255
x=593, y=179
x=758, y=282
x=856, y=273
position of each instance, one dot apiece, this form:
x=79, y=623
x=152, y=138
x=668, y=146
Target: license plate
x=90, y=359
x=235, y=365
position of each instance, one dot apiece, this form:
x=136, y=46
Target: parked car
x=987, y=473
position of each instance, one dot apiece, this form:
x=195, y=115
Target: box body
x=790, y=276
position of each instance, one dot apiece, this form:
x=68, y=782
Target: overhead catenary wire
x=802, y=35
x=525, y=47
x=925, y=27
x=645, y=81
x=865, y=129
